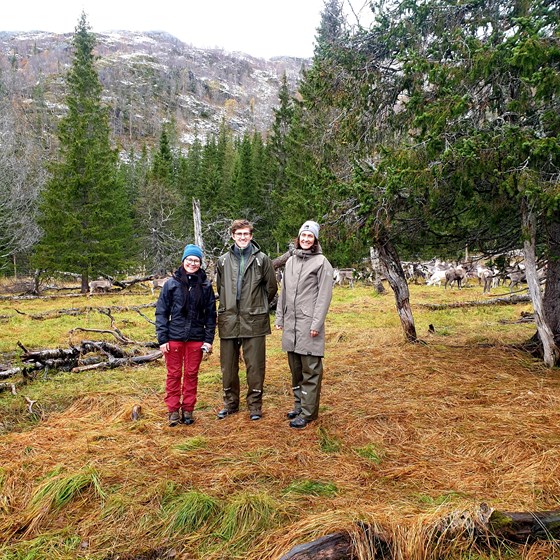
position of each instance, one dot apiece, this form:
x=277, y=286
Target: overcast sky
x=262, y=28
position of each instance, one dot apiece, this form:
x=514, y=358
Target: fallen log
x=336, y=546
x=119, y=362
x=522, y=527
x=51, y=354
x=486, y=528
x=73, y=359
x=9, y=372
x=28, y=297
x=75, y=311
x=115, y=331
x=74, y=352
x=511, y=300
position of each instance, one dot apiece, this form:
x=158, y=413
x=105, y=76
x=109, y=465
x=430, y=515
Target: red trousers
x=182, y=361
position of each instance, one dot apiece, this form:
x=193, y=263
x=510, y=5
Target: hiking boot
x=294, y=413
x=299, y=423
x=226, y=412
x=174, y=418
x=188, y=418
x=257, y=415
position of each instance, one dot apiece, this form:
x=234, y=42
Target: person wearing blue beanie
x=192, y=251
x=185, y=327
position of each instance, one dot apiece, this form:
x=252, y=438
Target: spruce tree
x=85, y=214
x=160, y=211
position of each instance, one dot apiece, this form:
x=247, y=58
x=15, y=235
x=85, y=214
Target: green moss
x=498, y=520
x=312, y=488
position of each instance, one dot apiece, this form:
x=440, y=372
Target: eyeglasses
x=242, y=234
x=193, y=261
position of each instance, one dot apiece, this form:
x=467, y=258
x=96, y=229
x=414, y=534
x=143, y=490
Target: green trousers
x=254, y=356
x=307, y=374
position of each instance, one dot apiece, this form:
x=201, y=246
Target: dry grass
x=407, y=435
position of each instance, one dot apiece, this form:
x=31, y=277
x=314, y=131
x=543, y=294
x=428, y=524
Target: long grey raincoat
x=304, y=301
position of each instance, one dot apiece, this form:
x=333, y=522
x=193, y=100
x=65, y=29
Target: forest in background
x=432, y=130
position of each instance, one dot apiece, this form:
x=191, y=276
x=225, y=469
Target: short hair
x=241, y=224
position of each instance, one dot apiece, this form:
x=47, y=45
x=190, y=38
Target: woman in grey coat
x=301, y=312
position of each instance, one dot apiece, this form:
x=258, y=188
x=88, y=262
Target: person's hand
x=278, y=327
x=164, y=348
x=206, y=350
x=314, y=333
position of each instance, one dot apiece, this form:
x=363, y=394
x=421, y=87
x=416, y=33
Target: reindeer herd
x=431, y=273
x=441, y=273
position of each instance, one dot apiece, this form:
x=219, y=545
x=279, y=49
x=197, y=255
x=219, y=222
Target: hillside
x=148, y=78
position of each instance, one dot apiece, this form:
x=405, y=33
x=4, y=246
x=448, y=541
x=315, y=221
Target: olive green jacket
x=304, y=300
x=249, y=316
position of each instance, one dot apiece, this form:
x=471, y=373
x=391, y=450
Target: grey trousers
x=307, y=375
x=254, y=356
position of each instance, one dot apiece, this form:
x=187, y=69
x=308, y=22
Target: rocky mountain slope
x=148, y=79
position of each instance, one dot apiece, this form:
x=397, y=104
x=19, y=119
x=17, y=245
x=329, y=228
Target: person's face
x=191, y=264
x=306, y=239
x=242, y=237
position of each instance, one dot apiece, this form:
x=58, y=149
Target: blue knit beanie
x=192, y=251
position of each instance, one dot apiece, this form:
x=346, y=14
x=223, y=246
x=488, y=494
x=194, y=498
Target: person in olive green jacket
x=303, y=304
x=246, y=285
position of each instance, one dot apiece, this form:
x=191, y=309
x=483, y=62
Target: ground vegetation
x=410, y=441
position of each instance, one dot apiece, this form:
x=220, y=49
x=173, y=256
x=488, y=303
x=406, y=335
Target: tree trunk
x=395, y=276
x=376, y=269
x=37, y=282
x=85, y=283
x=551, y=298
x=551, y=351
x=281, y=260
x=197, y=220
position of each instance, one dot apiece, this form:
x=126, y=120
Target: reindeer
x=103, y=285
x=158, y=283
x=340, y=275
x=457, y=274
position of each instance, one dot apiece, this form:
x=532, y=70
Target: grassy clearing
x=407, y=435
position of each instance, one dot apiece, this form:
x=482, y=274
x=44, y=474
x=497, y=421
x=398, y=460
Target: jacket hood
x=200, y=273
x=306, y=253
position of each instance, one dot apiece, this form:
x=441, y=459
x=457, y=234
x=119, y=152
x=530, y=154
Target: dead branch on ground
x=9, y=386
x=511, y=300
x=75, y=311
x=77, y=358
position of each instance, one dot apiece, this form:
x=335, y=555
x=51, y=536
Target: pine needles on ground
x=56, y=492
x=407, y=435
x=246, y=516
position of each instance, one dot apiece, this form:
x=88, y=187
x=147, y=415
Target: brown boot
x=174, y=418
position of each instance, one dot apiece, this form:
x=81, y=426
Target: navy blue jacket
x=172, y=323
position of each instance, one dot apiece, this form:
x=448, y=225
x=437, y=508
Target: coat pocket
x=306, y=311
